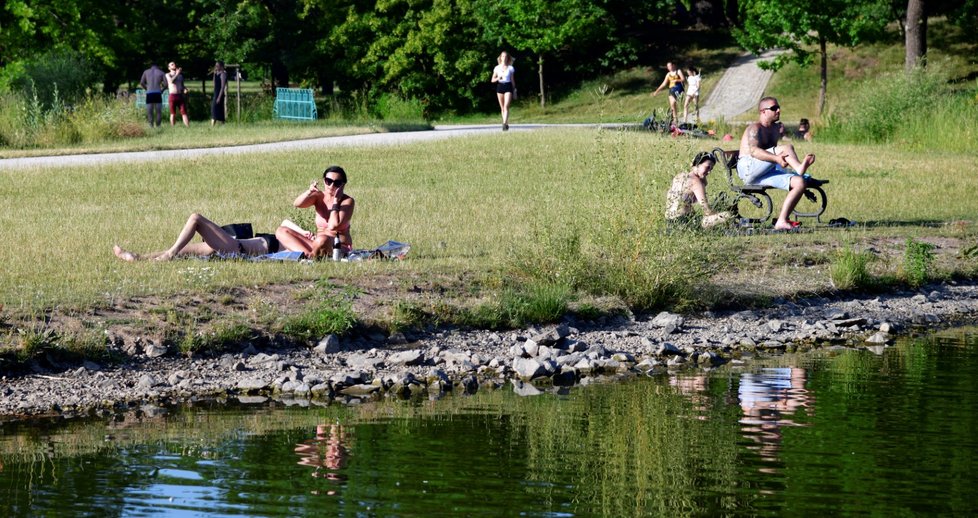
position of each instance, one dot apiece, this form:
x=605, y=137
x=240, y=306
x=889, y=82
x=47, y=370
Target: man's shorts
x=676, y=90
x=177, y=101
x=154, y=98
x=758, y=172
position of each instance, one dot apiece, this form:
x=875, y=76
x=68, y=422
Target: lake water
x=837, y=432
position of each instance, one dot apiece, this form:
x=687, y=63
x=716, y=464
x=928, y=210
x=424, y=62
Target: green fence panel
x=294, y=103
x=141, y=99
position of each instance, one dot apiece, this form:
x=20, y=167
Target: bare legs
x=794, y=194
x=504, y=101
x=289, y=239
x=696, y=106
x=215, y=240
x=788, y=152
x=672, y=107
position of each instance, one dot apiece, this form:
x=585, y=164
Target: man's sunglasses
x=329, y=182
x=773, y=108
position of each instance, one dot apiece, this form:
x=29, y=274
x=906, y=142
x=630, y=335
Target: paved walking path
x=740, y=88
x=737, y=91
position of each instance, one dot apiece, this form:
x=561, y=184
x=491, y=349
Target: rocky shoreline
x=357, y=368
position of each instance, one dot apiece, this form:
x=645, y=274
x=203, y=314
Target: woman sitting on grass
x=690, y=187
x=215, y=240
x=334, y=210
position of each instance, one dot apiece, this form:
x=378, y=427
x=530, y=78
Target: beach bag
x=239, y=230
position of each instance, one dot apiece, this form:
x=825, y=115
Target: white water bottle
x=336, y=248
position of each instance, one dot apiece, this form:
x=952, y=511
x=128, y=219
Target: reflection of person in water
x=327, y=453
x=693, y=387
x=766, y=397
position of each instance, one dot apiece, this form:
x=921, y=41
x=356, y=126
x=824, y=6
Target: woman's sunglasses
x=329, y=182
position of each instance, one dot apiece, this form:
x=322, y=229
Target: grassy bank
x=534, y=224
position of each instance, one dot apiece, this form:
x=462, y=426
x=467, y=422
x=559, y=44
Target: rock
x=528, y=368
x=252, y=400
x=154, y=350
x=667, y=348
x=525, y=389
x=412, y=357
x=551, y=336
x=888, y=328
x=364, y=362
x=261, y=358
x=239, y=366
x=708, y=358
x=91, y=366
x=876, y=349
x=251, y=384
x=668, y=320
x=849, y=322
x=836, y=314
x=397, y=338
x=146, y=382
x=918, y=299
x=175, y=378
x=360, y=390
x=330, y=344
x=924, y=318
x=347, y=378
x=531, y=348
x=623, y=357
x=744, y=316
x=878, y=337
x=774, y=325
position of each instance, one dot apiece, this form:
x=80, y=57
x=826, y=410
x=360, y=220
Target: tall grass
x=917, y=110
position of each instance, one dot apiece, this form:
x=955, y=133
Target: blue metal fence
x=294, y=103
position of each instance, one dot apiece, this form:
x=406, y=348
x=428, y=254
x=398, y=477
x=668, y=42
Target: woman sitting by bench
x=690, y=187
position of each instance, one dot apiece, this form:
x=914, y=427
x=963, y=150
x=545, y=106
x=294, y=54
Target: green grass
x=578, y=204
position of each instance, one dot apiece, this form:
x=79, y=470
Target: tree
x=916, y=34
x=804, y=29
x=539, y=26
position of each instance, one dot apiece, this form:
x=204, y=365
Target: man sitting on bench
x=762, y=161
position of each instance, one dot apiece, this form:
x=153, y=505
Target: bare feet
x=806, y=163
x=164, y=256
x=123, y=254
x=783, y=225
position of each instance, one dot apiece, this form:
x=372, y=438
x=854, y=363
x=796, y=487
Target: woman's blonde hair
x=509, y=58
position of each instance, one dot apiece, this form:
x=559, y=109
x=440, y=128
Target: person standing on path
x=504, y=75
x=220, y=93
x=153, y=81
x=762, y=161
x=675, y=80
x=178, y=94
x=693, y=92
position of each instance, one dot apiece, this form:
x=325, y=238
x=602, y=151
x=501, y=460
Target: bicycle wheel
x=812, y=204
x=754, y=207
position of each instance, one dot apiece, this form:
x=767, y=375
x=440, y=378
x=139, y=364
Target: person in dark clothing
x=220, y=93
x=153, y=81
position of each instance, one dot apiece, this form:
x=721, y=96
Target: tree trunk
x=823, y=88
x=916, y=42
x=543, y=101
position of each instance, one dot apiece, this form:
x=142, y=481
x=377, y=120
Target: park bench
x=752, y=202
x=294, y=103
x=141, y=99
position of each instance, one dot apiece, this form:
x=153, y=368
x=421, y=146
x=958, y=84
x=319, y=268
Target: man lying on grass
x=762, y=161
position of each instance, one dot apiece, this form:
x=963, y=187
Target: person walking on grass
x=178, y=94
x=504, y=75
x=220, y=93
x=153, y=81
x=675, y=80
x=215, y=240
x=762, y=161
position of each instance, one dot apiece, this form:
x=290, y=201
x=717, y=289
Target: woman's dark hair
x=703, y=156
x=335, y=169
